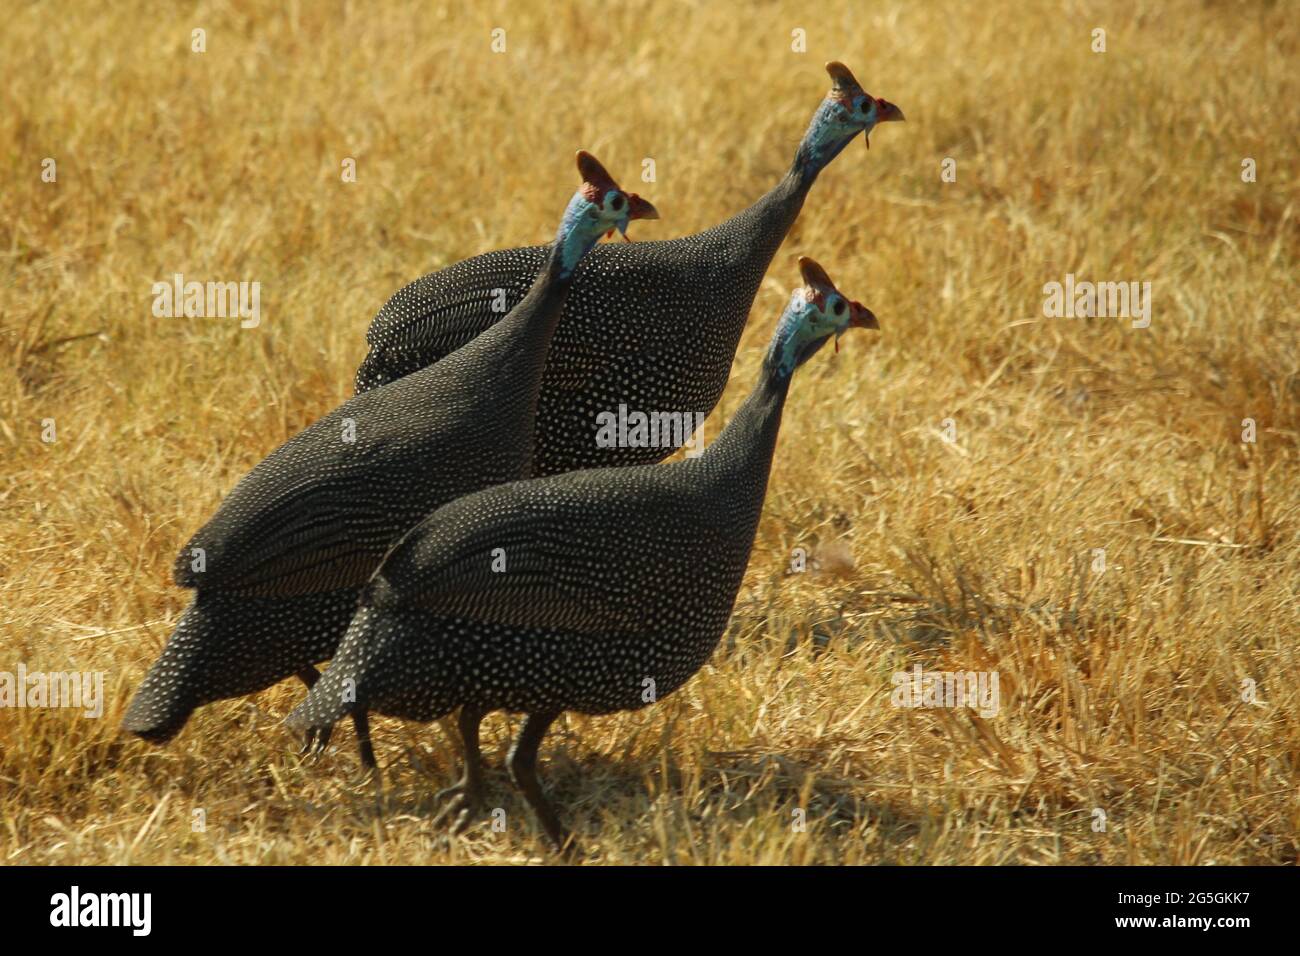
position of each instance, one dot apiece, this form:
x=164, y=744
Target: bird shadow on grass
x=651, y=801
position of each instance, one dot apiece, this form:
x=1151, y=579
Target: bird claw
x=317, y=736
x=464, y=804
x=463, y=819
x=568, y=848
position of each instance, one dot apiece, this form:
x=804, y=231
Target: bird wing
x=437, y=314
x=571, y=552
x=307, y=517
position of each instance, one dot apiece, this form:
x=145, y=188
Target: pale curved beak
x=860, y=317
x=889, y=113
x=638, y=208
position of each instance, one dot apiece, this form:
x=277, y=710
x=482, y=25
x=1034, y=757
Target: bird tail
x=229, y=645
x=369, y=374
x=168, y=695
x=341, y=690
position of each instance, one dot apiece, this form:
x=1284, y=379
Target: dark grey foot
x=523, y=770
x=466, y=797
x=464, y=803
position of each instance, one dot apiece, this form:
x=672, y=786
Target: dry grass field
x=1149, y=711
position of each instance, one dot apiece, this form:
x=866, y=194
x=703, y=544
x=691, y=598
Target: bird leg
x=467, y=794
x=522, y=762
x=360, y=721
x=309, y=676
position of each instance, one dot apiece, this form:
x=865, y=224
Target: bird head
x=846, y=111
x=598, y=208
x=817, y=312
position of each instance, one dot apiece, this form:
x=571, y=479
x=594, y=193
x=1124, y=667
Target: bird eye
x=617, y=203
x=839, y=307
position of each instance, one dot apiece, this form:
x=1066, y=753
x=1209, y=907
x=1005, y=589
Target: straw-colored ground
x=1122, y=692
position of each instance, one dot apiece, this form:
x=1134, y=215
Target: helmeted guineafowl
x=595, y=591
x=278, y=569
x=652, y=327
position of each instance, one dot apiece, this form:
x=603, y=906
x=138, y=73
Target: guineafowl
x=278, y=569
x=594, y=591
x=650, y=328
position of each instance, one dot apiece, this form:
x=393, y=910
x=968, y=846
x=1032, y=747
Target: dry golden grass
x=1121, y=691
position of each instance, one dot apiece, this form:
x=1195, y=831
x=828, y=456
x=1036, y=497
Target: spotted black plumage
x=616, y=584
x=651, y=325
x=278, y=569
